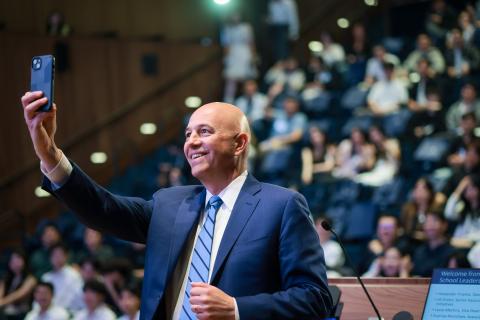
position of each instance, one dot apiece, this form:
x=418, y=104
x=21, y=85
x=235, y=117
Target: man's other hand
x=209, y=302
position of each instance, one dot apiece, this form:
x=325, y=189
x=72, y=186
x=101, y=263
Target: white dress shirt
x=52, y=313
x=101, y=313
x=68, y=285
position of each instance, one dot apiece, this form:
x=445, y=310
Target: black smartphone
x=42, y=76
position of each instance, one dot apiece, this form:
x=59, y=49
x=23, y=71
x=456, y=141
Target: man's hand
x=42, y=127
x=209, y=302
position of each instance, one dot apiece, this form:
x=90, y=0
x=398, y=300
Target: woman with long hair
x=463, y=208
x=16, y=287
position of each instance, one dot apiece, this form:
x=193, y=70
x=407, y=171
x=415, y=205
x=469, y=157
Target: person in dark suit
x=231, y=248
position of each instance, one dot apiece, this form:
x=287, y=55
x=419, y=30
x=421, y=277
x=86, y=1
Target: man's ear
x=241, y=142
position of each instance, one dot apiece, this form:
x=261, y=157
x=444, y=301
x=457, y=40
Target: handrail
x=118, y=115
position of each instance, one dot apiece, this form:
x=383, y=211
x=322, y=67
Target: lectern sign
x=453, y=294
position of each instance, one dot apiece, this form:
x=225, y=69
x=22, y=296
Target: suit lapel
x=186, y=218
x=243, y=209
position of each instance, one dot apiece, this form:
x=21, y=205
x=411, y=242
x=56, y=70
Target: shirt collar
x=230, y=194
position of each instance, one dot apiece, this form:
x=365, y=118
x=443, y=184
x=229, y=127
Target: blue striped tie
x=200, y=264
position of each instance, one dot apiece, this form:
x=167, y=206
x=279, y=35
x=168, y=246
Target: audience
x=387, y=96
x=40, y=258
x=423, y=199
x=467, y=103
x=253, y=103
x=435, y=251
x=463, y=208
x=130, y=302
x=66, y=281
x=376, y=170
x=239, y=58
x=94, y=247
x=45, y=309
x=354, y=155
x=425, y=50
x=318, y=156
x=95, y=307
x=390, y=264
x=16, y=287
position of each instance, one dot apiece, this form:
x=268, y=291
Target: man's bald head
x=216, y=144
x=228, y=116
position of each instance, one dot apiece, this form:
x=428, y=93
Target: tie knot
x=215, y=202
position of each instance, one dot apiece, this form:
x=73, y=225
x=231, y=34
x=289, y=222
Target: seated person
x=318, y=156
x=425, y=49
x=425, y=100
x=462, y=59
x=471, y=165
x=16, y=287
x=390, y=264
x=117, y=273
x=387, y=236
x=467, y=103
x=66, y=280
x=44, y=308
x=287, y=131
x=436, y=249
x=130, y=302
x=424, y=199
x=286, y=75
x=387, y=96
x=375, y=71
x=40, y=258
x=387, y=155
x=252, y=102
x=90, y=269
x=93, y=246
x=95, y=307
x=466, y=135
x=463, y=208
x=354, y=155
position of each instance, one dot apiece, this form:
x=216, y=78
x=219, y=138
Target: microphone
x=328, y=227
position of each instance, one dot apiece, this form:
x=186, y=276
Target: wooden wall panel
x=104, y=76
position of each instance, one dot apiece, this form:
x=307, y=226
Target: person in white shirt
x=66, y=280
x=334, y=258
x=95, y=307
x=130, y=302
x=253, y=103
x=387, y=96
x=44, y=308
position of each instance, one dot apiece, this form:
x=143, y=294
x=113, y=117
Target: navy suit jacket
x=269, y=258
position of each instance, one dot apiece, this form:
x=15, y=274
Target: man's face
x=210, y=144
x=58, y=258
x=434, y=227
x=50, y=236
x=92, y=299
x=43, y=296
x=387, y=230
x=129, y=303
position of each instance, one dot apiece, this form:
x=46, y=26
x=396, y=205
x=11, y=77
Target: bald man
x=252, y=253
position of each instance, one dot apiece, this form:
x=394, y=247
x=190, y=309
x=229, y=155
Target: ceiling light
x=343, y=23
x=315, y=46
x=193, y=102
x=148, y=128
x=98, y=157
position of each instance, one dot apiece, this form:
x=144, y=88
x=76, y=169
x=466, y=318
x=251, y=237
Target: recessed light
x=98, y=157
x=193, y=102
x=148, y=128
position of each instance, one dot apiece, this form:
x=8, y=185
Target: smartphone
x=42, y=76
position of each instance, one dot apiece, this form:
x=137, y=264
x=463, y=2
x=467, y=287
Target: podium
x=391, y=295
